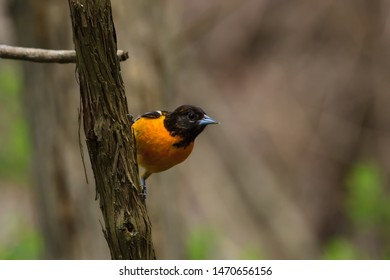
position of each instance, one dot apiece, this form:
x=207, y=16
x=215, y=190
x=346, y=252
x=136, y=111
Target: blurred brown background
x=297, y=169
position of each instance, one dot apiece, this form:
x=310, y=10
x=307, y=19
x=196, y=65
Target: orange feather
x=155, y=150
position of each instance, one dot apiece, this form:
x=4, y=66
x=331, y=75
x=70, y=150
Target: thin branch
x=46, y=56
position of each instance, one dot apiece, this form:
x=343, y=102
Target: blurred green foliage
x=368, y=202
x=251, y=253
x=340, y=248
x=367, y=210
x=18, y=239
x=25, y=244
x=14, y=142
x=200, y=244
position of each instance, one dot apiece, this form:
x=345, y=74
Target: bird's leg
x=143, y=183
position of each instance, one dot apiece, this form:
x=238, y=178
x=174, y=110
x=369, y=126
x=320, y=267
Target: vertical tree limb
x=107, y=130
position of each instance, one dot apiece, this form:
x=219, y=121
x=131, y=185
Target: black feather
x=184, y=122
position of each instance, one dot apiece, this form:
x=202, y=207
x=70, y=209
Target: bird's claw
x=143, y=192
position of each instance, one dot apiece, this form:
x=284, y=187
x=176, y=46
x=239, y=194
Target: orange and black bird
x=164, y=139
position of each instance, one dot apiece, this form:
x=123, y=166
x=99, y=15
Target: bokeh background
x=298, y=168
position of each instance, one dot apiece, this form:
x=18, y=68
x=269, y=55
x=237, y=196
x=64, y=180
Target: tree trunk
x=108, y=132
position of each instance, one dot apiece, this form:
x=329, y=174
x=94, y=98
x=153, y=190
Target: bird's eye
x=191, y=116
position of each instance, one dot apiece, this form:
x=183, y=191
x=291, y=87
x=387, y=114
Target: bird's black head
x=187, y=122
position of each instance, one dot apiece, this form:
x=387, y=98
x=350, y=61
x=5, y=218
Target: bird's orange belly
x=155, y=150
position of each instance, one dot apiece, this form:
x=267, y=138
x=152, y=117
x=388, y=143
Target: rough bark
x=108, y=132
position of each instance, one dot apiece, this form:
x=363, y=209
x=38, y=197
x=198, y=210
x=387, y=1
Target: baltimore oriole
x=164, y=139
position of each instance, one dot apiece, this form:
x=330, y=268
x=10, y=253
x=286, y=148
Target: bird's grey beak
x=206, y=120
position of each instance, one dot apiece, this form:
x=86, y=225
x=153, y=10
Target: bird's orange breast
x=155, y=150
